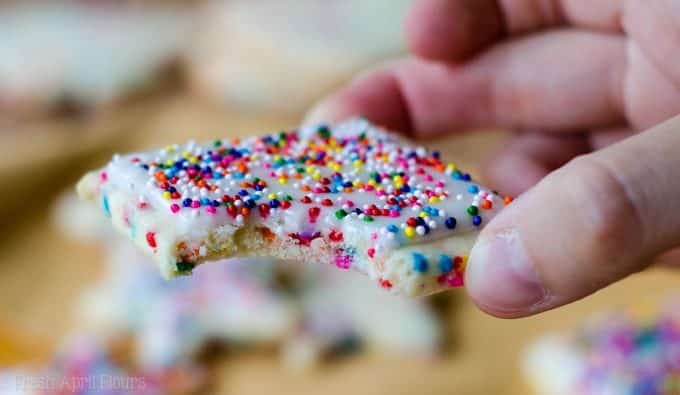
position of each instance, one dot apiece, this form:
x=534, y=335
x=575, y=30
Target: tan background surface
x=42, y=272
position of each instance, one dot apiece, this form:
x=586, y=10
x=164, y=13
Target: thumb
x=594, y=221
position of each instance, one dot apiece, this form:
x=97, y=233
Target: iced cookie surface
x=351, y=195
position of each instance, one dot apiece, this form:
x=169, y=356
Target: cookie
x=352, y=195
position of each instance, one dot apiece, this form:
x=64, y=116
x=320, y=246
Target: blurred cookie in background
x=611, y=354
x=79, y=56
x=281, y=56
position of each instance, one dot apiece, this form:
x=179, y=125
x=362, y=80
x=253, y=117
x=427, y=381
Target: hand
x=570, y=77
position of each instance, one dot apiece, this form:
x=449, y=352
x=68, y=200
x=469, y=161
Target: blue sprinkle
x=243, y=192
x=255, y=196
x=466, y=177
x=186, y=202
x=456, y=175
x=274, y=203
x=420, y=264
x=450, y=223
x=473, y=189
x=476, y=220
x=250, y=203
x=105, y=203
x=393, y=228
x=205, y=202
x=445, y=263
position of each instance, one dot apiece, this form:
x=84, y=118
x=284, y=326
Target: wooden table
x=43, y=272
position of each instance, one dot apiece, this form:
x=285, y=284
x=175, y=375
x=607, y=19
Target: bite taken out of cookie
x=352, y=195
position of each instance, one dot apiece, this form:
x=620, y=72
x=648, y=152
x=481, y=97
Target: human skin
x=586, y=87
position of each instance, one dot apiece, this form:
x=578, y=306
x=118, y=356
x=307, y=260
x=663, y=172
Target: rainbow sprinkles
x=349, y=194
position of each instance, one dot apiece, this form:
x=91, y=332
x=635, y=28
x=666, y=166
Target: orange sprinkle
x=508, y=199
x=245, y=211
x=305, y=188
x=486, y=204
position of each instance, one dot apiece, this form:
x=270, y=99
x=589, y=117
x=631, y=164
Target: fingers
x=530, y=156
x=447, y=30
x=521, y=84
x=596, y=220
x=451, y=30
x=654, y=27
x=652, y=96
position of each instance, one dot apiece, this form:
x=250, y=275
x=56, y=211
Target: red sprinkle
x=151, y=239
x=385, y=283
x=313, y=213
x=336, y=236
x=327, y=202
x=371, y=252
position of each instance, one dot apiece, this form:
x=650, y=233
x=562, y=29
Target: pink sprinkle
x=103, y=176
x=428, y=177
x=370, y=252
x=381, y=193
x=272, y=174
x=267, y=165
x=174, y=208
x=317, y=190
x=343, y=261
x=440, y=184
x=394, y=213
x=453, y=280
x=211, y=209
x=374, y=236
x=349, y=203
x=368, y=187
x=195, y=204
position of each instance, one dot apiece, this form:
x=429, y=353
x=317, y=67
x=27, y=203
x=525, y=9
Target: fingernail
x=500, y=277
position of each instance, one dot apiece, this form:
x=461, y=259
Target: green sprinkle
x=340, y=214
x=368, y=218
x=472, y=210
x=288, y=198
x=324, y=132
x=185, y=267
x=217, y=143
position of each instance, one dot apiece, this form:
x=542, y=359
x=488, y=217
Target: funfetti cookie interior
x=351, y=195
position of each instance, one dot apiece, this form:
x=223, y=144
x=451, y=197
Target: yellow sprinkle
x=450, y=167
x=283, y=181
x=169, y=162
x=186, y=154
x=271, y=196
x=422, y=214
x=170, y=149
x=358, y=163
x=316, y=176
x=254, y=157
x=409, y=231
x=372, y=182
x=167, y=195
x=193, y=160
x=434, y=199
x=398, y=184
x=463, y=264
x=357, y=184
x=311, y=169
